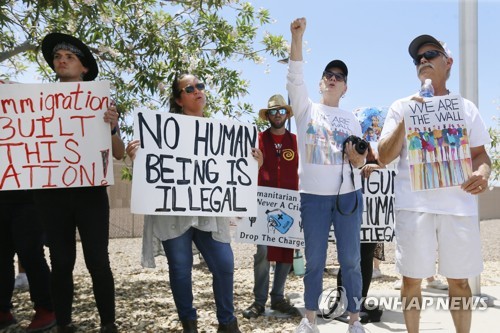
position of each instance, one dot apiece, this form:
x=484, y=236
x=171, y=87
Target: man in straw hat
x=279, y=148
x=64, y=210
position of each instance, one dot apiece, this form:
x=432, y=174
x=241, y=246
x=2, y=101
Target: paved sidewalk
x=432, y=318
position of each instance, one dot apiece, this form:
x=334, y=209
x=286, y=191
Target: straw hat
x=276, y=102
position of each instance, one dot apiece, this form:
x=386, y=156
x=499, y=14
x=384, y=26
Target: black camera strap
x=337, y=203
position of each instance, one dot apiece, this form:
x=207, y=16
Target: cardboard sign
x=53, y=135
x=278, y=220
x=438, y=143
x=193, y=166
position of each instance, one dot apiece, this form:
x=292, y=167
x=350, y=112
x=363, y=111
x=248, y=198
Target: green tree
x=494, y=151
x=142, y=44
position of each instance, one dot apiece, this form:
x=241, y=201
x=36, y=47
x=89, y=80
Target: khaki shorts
x=454, y=241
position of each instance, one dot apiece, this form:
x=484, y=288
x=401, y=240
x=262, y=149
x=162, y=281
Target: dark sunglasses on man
x=190, y=89
x=338, y=76
x=273, y=112
x=429, y=55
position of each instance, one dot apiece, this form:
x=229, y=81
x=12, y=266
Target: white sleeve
x=297, y=90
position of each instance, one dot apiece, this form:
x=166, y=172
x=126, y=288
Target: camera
x=359, y=144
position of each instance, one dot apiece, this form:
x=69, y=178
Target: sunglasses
x=276, y=111
x=190, y=89
x=338, y=76
x=429, y=55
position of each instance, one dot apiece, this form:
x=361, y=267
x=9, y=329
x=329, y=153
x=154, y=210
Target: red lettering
x=82, y=122
x=10, y=172
x=78, y=156
x=61, y=133
x=7, y=126
x=64, y=180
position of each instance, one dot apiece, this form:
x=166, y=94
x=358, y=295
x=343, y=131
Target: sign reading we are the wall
x=438, y=142
x=193, y=166
x=53, y=135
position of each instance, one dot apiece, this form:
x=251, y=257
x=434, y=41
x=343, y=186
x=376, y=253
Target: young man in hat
x=279, y=148
x=443, y=221
x=21, y=232
x=64, y=210
x=330, y=182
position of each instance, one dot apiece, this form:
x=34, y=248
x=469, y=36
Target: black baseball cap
x=337, y=64
x=421, y=40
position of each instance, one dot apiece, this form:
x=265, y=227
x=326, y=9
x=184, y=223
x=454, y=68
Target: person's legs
x=93, y=226
x=28, y=233
x=7, y=252
x=261, y=275
x=416, y=246
x=347, y=229
x=279, y=281
x=459, y=258
x=316, y=215
x=220, y=261
x=366, y=251
x=460, y=295
x=411, y=296
x=55, y=208
x=179, y=252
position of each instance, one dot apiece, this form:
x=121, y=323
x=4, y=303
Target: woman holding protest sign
x=63, y=210
x=210, y=234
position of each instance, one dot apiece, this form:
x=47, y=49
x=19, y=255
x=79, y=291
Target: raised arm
x=297, y=27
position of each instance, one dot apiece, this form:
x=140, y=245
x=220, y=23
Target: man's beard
x=278, y=125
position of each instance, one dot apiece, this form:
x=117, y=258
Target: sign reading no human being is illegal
x=193, y=166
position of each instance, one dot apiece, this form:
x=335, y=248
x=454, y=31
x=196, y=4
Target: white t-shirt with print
x=449, y=200
x=321, y=131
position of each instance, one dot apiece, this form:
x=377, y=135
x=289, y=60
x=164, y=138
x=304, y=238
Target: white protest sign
x=278, y=221
x=53, y=135
x=437, y=142
x=378, y=206
x=193, y=166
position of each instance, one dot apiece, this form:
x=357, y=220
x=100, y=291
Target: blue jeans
x=261, y=277
x=318, y=212
x=220, y=261
x=21, y=232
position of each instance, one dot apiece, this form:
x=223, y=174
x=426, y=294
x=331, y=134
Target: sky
x=372, y=38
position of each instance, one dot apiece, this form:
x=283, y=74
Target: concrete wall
x=489, y=204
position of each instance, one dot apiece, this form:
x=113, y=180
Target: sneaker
x=306, y=327
x=377, y=274
x=285, y=307
x=253, y=311
x=397, y=285
x=356, y=328
x=6, y=319
x=42, y=320
x=21, y=281
x=437, y=284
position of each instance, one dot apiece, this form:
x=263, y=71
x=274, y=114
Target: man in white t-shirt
x=441, y=221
